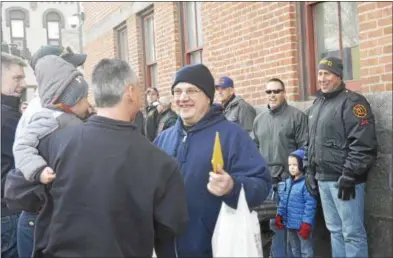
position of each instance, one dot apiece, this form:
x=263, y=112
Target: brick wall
x=375, y=36
x=96, y=11
x=168, y=54
x=251, y=42
x=103, y=47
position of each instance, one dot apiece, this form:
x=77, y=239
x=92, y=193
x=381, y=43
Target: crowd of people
x=116, y=180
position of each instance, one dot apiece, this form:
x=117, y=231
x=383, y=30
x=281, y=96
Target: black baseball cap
x=64, y=52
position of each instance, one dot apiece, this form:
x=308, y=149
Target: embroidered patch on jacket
x=360, y=111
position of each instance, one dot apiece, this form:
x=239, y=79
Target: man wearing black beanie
x=190, y=141
x=341, y=149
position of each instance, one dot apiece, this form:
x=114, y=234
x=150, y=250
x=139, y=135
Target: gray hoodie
x=41, y=117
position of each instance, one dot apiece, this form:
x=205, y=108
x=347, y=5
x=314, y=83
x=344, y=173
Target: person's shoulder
x=296, y=111
x=354, y=97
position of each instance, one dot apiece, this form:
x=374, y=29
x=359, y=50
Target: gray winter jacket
x=278, y=133
x=240, y=112
x=36, y=123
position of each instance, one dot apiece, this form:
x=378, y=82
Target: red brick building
x=253, y=42
x=249, y=41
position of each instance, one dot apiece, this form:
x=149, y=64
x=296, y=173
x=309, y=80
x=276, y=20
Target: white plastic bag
x=237, y=232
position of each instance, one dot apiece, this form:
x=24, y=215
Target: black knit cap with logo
x=333, y=65
x=198, y=75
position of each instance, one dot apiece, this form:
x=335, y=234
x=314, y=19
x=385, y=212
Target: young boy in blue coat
x=296, y=210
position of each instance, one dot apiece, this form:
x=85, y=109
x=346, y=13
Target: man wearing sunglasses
x=279, y=131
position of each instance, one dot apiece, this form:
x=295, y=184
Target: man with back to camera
x=341, y=149
x=236, y=109
x=278, y=132
x=140, y=204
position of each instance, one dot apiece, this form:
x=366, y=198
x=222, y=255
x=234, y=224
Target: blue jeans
x=8, y=236
x=278, y=242
x=344, y=220
x=26, y=227
x=297, y=246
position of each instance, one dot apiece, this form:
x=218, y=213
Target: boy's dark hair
x=279, y=81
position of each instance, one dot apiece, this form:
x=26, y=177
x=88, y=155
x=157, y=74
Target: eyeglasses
x=189, y=92
x=268, y=92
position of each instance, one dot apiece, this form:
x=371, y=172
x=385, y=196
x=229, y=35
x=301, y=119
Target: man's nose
x=23, y=83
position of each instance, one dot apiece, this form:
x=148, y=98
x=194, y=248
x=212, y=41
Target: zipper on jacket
x=286, y=205
x=175, y=246
x=314, y=130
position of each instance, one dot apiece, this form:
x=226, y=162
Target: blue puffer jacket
x=193, y=151
x=296, y=204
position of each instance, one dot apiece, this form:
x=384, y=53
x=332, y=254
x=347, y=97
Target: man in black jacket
x=12, y=85
x=341, y=149
x=152, y=96
x=108, y=199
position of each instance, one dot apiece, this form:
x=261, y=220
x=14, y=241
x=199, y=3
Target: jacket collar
x=109, y=123
x=279, y=109
x=10, y=101
x=332, y=94
x=230, y=100
x=212, y=117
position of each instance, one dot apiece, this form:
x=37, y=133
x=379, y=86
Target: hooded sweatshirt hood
x=54, y=77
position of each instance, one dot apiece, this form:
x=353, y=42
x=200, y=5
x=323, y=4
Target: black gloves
x=311, y=183
x=275, y=181
x=346, y=186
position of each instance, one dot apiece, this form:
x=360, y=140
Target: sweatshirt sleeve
x=27, y=159
x=248, y=168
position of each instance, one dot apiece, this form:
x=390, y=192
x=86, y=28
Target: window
x=53, y=28
x=333, y=30
x=18, y=29
x=122, y=43
x=191, y=14
x=149, y=49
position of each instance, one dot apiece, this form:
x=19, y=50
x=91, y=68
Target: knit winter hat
x=333, y=65
x=198, y=75
x=299, y=155
x=59, y=82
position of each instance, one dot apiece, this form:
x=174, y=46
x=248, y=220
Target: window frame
x=23, y=39
x=60, y=22
x=187, y=52
x=47, y=33
x=312, y=47
x=148, y=66
x=118, y=30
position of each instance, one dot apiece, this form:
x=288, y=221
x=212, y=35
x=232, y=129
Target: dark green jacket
x=277, y=133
